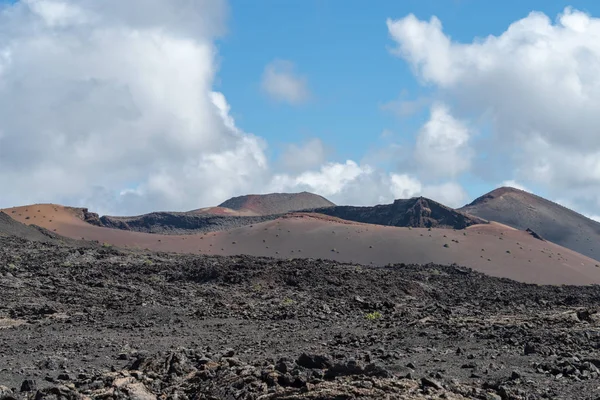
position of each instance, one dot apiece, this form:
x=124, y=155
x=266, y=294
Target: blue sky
x=129, y=107
x=342, y=49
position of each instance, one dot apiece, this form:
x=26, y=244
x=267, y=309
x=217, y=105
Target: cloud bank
x=110, y=105
x=536, y=87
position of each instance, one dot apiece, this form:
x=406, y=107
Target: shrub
x=373, y=316
x=287, y=302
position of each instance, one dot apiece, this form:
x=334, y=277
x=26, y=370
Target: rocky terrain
x=104, y=323
x=233, y=213
x=174, y=223
x=523, y=210
x=417, y=212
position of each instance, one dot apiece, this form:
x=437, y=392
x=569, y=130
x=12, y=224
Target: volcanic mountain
x=276, y=203
x=491, y=248
x=553, y=222
x=417, y=212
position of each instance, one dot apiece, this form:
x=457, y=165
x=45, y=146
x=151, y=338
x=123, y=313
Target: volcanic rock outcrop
x=417, y=212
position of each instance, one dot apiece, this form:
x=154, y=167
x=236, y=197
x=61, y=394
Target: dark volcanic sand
x=68, y=315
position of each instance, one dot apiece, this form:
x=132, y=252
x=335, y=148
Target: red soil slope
x=494, y=249
x=276, y=203
x=522, y=210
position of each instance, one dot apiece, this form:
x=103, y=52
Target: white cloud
x=104, y=106
x=442, y=148
x=282, y=83
x=110, y=105
x=57, y=13
x=513, y=184
x=405, y=186
x=536, y=85
x=354, y=184
x=450, y=194
x=308, y=155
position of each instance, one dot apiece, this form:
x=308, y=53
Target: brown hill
x=523, y=210
x=417, y=212
x=276, y=203
x=494, y=249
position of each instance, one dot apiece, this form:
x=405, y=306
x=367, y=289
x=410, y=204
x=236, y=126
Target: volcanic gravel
x=104, y=323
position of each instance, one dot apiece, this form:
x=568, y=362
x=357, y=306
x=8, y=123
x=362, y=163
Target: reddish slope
x=492, y=248
x=276, y=203
x=552, y=221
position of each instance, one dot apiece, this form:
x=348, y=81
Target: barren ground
x=192, y=326
x=494, y=249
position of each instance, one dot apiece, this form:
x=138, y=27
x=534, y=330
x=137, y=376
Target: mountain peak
x=554, y=222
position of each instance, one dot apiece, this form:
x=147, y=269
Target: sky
x=145, y=105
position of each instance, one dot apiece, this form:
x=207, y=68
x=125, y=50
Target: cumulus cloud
x=355, y=184
x=405, y=186
x=308, y=155
x=281, y=82
x=442, y=146
x=536, y=85
x=450, y=194
x=110, y=105
x=116, y=100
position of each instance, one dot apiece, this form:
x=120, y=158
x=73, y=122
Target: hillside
x=417, y=212
x=108, y=324
x=523, y=210
x=494, y=249
x=11, y=227
x=276, y=203
x=174, y=222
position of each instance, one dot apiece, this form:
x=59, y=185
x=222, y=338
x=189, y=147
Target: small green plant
x=287, y=302
x=66, y=264
x=106, y=245
x=446, y=245
x=148, y=262
x=12, y=267
x=257, y=287
x=373, y=316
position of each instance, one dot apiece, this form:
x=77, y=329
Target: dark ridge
x=277, y=203
x=173, y=223
x=535, y=235
x=417, y=212
x=523, y=210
